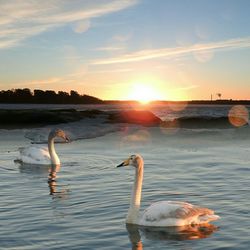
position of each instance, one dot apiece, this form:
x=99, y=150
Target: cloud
x=177, y=51
x=47, y=81
x=188, y=87
x=109, y=48
x=111, y=71
x=20, y=19
x=40, y=82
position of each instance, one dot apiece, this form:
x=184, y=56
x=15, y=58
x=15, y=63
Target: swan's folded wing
x=195, y=214
x=172, y=213
x=34, y=155
x=187, y=210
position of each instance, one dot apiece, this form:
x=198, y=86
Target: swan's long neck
x=53, y=155
x=135, y=202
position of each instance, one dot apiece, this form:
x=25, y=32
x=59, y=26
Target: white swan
x=43, y=155
x=162, y=213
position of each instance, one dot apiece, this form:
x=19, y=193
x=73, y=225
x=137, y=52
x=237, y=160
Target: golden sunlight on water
x=238, y=115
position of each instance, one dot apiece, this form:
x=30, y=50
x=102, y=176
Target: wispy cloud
x=176, y=51
x=188, y=87
x=109, y=48
x=111, y=71
x=47, y=81
x=20, y=19
x=39, y=82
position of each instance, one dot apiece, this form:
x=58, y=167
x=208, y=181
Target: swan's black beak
x=120, y=165
x=123, y=164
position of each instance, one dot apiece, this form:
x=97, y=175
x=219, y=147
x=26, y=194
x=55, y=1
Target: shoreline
x=37, y=118
x=133, y=102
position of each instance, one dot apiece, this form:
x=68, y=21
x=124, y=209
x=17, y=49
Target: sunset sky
x=127, y=49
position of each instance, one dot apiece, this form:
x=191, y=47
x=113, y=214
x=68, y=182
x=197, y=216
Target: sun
x=144, y=93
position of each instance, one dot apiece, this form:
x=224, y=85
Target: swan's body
x=163, y=213
x=42, y=155
x=35, y=155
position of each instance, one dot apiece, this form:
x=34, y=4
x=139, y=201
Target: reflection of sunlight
x=238, y=115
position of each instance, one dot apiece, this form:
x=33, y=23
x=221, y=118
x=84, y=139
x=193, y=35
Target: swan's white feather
x=175, y=213
x=35, y=155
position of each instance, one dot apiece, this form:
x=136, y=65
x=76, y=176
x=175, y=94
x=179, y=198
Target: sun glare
x=144, y=93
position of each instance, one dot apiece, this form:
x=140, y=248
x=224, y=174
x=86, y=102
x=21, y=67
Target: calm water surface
x=88, y=206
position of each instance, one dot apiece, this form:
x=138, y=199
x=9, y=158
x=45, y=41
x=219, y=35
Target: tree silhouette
x=62, y=97
x=48, y=96
x=75, y=97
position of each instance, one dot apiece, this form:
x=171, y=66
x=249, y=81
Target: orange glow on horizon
x=144, y=89
x=144, y=93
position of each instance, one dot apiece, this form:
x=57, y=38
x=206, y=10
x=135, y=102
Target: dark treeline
x=48, y=96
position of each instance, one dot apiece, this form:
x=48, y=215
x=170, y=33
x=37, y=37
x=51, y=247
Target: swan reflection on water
x=42, y=171
x=54, y=169
x=168, y=233
x=52, y=178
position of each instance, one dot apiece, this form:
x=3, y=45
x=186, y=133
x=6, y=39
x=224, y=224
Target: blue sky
x=112, y=49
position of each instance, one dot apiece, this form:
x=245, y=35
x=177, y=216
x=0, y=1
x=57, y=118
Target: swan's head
x=58, y=133
x=133, y=160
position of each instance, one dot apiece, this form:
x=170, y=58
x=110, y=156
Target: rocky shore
x=31, y=118
x=35, y=118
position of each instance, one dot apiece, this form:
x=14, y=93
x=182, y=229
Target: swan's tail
x=208, y=217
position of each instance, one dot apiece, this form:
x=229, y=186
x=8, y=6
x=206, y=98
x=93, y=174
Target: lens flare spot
x=238, y=115
x=169, y=127
x=138, y=136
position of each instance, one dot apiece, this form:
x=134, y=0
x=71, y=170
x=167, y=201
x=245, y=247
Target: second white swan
x=43, y=155
x=162, y=213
